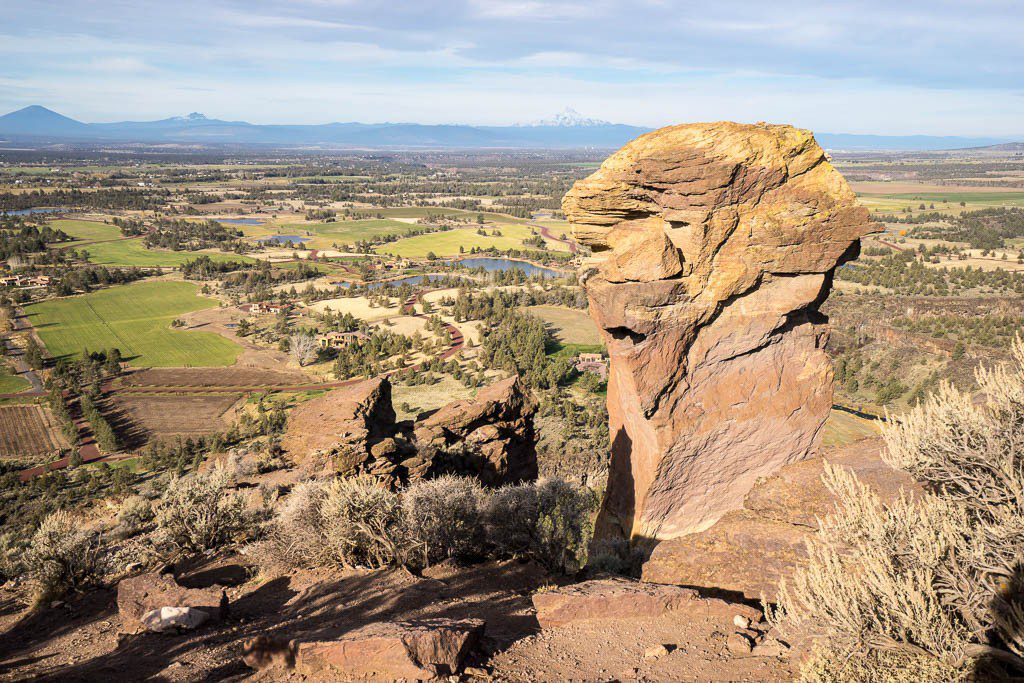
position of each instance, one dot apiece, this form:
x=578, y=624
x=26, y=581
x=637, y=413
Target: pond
x=283, y=239
x=240, y=221
x=29, y=212
x=503, y=264
x=411, y=280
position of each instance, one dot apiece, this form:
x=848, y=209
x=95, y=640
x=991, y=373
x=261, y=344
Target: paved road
x=546, y=234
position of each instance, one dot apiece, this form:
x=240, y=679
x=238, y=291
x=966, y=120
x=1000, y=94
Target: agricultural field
x=9, y=382
x=168, y=416
x=87, y=231
x=132, y=252
x=27, y=430
x=448, y=243
x=325, y=235
x=843, y=428
x=568, y=325
x=136, y=319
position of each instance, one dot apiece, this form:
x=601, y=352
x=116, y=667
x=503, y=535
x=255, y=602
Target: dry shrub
x=443, y=518
x=63, y=556
x=937, y=578
x=551, y=521
x=356, y=522
x=135, y=514
x=199, y=512
x=362, y=523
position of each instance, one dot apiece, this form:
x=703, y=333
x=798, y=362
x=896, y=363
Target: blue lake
x=29, y=212
x=411, y=280
x=503, y=264
x=239, y=221
x=283, y=239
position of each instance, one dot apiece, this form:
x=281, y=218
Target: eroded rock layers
x=714, y=245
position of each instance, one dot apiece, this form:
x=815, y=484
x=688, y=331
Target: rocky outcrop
x=353, y=430
x=417, y=650
x=619, y=599
x=491, y=435
x=748, y=551
x=343, y=424
x=714, y=245
x=141, y=599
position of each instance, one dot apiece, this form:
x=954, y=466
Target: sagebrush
x=934, y=578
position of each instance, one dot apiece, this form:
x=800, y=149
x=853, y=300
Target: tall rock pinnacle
x=714, y=245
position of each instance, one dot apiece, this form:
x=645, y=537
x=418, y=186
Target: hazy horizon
x=877, y=68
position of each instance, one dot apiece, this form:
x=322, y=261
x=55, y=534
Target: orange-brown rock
x=139, y=595
x=748, y=551
x=619, y=599
x=490, y=435
x=411, y=651
x=343, y=424
x=714, y=245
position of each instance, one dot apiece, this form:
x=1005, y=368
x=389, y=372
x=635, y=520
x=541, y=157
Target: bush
x=356, y=522
x=550, y=521
x=443, y=517
x=135, y=513
x=362, y=523
x=198, y=512
x=940, y=577
x=63, y=556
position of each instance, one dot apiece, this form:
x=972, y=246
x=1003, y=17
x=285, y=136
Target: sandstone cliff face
x=714, y=245
x=353, y=430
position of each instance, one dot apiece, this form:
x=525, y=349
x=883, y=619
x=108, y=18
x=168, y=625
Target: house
x=262, y=307
x=593, y=363
x=337, y=340
x=25, y=281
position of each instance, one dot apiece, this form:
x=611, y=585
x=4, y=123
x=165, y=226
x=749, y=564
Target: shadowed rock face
x=714, y=245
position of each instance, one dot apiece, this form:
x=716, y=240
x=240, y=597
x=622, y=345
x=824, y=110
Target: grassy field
x=842, y=428
x=87, y=230
x=136, y=319
x=11, y=383
x=134, y=253
x=324, y=235
x=945, y=202
x=568, y=325
x=448, y=243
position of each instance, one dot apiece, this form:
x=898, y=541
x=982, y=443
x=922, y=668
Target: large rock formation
x=748, y=551
x=352, y=430
x=714, y=245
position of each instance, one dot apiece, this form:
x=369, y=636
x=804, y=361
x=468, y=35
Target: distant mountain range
x=567, y=130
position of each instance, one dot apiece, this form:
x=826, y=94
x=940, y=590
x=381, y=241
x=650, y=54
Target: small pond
x=283, y=239
x=239, y=221
x=29, y=212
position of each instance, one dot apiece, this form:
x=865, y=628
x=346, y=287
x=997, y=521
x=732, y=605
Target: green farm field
x=87, y=231
x=945, y=202
x=136, y=319
x=341, y=232
x=11, y=383
x=132, y=252
x=448, y=243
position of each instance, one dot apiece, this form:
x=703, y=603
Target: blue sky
x=895, y=67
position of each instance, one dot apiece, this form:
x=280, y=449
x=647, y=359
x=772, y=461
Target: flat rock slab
x=420, y=650
x=141, y=595
x=623, y=599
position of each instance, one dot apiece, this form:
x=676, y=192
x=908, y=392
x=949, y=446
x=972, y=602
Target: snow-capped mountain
x=570, y=118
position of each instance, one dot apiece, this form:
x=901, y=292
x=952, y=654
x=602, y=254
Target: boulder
x=619, y=599
x=412, y=650
x=344, y=424
x=490, y=436
x=141, y=596
x=167, y=619
x=749, y=551
x=713, y=247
